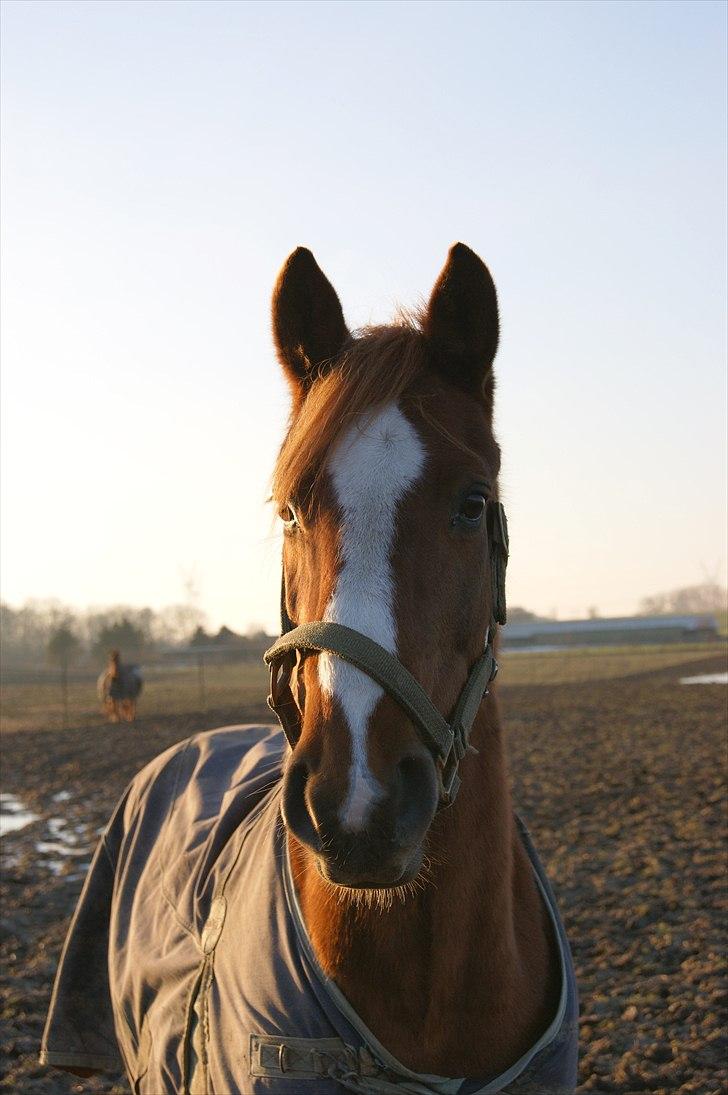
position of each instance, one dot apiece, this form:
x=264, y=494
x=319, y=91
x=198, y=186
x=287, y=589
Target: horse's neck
x=460, y=978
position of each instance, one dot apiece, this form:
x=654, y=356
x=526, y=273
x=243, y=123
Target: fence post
x=64, y=690
x=201, y=682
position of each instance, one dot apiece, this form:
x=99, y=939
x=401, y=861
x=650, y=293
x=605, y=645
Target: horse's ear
x=462, y=317
x=308, y=323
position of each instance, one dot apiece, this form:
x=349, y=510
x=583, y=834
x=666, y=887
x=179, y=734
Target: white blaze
x=372, y=467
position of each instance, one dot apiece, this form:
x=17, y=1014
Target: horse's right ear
x=308, y=323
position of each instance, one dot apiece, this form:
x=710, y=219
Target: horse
x=347, y=902
x=119, y=687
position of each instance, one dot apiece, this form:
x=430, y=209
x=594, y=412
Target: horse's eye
x=472, y=508
x=287, y=515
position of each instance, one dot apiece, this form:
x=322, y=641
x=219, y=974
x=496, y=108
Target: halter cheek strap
x=448, y=741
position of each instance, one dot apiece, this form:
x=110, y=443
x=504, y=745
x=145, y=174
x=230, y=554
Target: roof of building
x=530, y=628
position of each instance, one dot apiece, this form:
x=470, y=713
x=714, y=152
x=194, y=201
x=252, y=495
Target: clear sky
x=159, y=162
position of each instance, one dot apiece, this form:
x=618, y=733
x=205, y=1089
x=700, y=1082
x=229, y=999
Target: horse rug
x=188, y=955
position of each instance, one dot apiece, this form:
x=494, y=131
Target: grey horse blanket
x=188, y=956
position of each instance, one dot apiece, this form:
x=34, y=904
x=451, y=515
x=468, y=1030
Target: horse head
x=383, y=485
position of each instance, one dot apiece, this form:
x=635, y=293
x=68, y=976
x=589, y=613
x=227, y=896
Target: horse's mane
x=377, y=368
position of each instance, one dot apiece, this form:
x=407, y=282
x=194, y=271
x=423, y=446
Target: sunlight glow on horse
x=348, y=902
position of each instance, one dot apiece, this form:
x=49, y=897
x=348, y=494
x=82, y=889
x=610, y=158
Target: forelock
x=377, y=368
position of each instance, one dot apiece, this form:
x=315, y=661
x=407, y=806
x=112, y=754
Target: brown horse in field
x=383, y=484
x=354, y=905
x=119, y=687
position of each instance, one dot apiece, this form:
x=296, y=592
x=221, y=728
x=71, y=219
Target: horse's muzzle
x=387, y=850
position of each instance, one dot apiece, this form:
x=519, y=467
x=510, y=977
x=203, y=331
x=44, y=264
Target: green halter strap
x=448, y=741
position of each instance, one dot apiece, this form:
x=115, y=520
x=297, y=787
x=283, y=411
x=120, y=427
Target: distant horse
x=118, y=688
x=349, y=903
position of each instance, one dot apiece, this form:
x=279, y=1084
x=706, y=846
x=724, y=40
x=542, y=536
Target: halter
x=448, y=741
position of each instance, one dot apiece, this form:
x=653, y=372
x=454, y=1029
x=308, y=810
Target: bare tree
x=706, y=598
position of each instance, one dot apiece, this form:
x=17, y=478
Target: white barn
x=614, y=631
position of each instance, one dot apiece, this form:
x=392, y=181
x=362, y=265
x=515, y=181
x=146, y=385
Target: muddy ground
x=622, y=784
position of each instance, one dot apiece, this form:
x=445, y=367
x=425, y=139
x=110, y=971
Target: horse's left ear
x=462, y=316
x=308, y=323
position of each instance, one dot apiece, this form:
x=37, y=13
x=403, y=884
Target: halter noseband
x=448, y=741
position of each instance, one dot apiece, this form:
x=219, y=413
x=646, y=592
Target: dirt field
x=619, y=771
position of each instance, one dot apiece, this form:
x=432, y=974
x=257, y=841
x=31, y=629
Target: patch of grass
x=599, y=663
x=166, y=692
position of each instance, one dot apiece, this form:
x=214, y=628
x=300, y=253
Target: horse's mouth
x=378, y=877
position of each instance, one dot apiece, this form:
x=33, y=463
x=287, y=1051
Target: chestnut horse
x=360, y=909
x=382, y=485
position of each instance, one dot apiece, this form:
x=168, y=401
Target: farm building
x=616, y=631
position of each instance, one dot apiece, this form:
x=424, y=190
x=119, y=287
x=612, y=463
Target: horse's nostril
x=296, y=814
x=417, y=793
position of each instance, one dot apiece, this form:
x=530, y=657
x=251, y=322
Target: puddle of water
x=65, y=842
x=13, y=814
x=79, y=875
x=59, y=852
x=55, y=866
x=58, y=827
x=706, y=678
x=61, y=866
x=56, y=847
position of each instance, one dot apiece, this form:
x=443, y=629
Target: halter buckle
x=449, y=783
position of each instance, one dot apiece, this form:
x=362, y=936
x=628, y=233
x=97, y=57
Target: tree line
x=50, y=632
x=42, y=632
x=709, y=598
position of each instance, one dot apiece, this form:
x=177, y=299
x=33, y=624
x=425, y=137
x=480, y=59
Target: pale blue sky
x=159, y=162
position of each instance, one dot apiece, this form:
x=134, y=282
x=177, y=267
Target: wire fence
x=234, y=683
x=179, y=683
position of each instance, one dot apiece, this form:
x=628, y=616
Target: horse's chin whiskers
x=431, y=860
x=381, y=899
